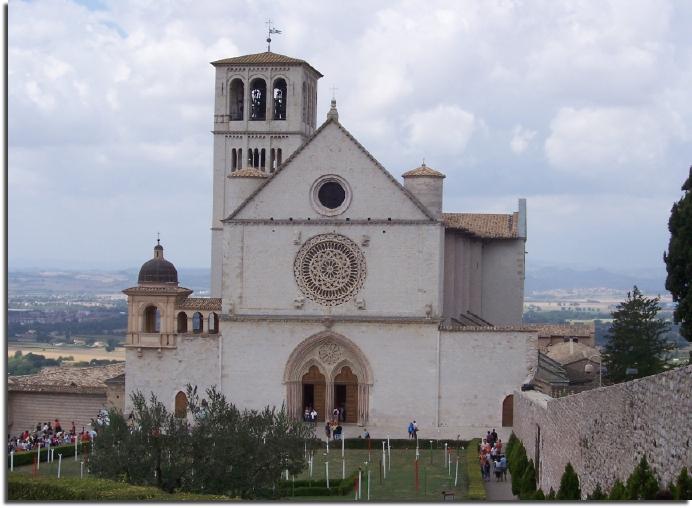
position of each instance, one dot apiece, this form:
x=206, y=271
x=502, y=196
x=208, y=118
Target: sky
x=582, y=107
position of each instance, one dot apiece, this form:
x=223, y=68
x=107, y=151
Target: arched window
x=182, y=322
x=234, y=160
x=240, y=158
x=180, y=405
x=258, y=97
x=279, y=99
x=152, y=319
x=197, y=322
x=256, y=160
x=213, y=323
x=278, y=157
x=272, y=160
x=249, y=158
x=235, y=99
x=263, y=159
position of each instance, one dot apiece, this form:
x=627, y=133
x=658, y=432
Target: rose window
x=329, y=269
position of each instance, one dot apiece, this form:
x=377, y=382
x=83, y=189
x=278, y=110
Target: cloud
x=521, y=138
x=444, y=130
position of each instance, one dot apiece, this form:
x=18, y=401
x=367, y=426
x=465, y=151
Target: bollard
x=38, y=458
x=326, y=466
x=343, y=469
x=59, y=463
x=417, y=482
x=389, y=455
x=75, y=447
x=12, y=460
x=360, y=490
x=384, y=461
x=368, y=484
x=456, y=472
x=81, y=469
x=342, y=443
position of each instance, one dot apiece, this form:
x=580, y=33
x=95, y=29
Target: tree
x=527, y=483
x=683, y=486
x=597, y=494
x=642, y=483
x=618, y=492
x=569, y=484
x=636, y=338
x=678, y=259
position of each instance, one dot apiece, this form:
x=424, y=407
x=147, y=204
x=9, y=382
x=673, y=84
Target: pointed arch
x=180, y=405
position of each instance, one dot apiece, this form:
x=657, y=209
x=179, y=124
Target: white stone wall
x=605, y=432
x=194, y=361
x=26, y=409
x=503, y=281
x=403, y=269
x=479, y=369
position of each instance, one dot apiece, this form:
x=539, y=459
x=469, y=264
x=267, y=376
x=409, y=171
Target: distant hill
x=547, y=278
x=46, y=282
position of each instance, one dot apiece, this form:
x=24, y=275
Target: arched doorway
x=313, y=388
x=508, y=411
x=338, y=371
x=346, y=394
x=180, y=405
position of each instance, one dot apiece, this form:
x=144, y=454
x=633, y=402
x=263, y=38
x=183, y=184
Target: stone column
x=329, y=399
x=293, y=399
x=363, y=403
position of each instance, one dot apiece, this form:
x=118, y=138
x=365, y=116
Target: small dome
x=158, y=270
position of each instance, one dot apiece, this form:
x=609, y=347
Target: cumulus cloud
x=521, y=139
x=444, y=130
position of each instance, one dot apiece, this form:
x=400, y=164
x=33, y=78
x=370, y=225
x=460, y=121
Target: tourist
x=410, y=430
x=58, y=428
x=415, y=430
x=306, y=415
x=494, y=436
x=314, y=414
x=489, y=438
x=328, y=431
x=366, y=434
x=498, y=446
x=337, y=432
x=335, y=414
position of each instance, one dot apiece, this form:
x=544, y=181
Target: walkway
x=500, y=491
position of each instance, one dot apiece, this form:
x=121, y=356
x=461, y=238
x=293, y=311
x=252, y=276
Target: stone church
x=334, y=285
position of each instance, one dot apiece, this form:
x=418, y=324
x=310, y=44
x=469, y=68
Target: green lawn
x=399, y=484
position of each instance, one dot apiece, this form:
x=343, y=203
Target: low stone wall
x=605, y=432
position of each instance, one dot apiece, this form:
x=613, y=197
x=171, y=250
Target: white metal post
x=38, y=459
x=456, y=472
x=326, y=466
x=59, y=463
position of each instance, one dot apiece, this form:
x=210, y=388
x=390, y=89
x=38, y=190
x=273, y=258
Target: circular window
x=330, y=195
x=329, y=269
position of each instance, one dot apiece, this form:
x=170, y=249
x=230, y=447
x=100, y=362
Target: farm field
x=79, y=353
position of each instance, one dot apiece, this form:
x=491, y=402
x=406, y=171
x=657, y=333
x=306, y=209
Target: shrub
x=569, y=484
x=618, y=492
x=683, y=486
x=597, y=494
x=517, y=466
x=527, y=483
x=642, y=483
x=23, y=487
x=539, y=496
x=476, y=487
x=398, y=444
x=551, y=494
x=27, y=458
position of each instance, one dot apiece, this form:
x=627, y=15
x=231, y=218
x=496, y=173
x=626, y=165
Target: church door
x=314, y=391
x=346, y=394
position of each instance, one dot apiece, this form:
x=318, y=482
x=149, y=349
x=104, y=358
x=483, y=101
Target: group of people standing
x=413, y=430
x=46, y=434
x=490, y=454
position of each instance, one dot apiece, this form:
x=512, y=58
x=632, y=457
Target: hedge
x=354, y=443
x=27, y=458
x=317, y=487
x=26, y=488
x=476, y=489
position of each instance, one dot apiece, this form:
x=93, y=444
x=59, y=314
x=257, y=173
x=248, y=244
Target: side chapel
x=334, y=285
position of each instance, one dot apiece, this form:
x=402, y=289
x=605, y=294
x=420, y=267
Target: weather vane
x=270, y=30
x=158, y=238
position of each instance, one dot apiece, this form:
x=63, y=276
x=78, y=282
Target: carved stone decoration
x=329, y=269
x=330, y=353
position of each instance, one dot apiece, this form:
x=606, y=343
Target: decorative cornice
x=332, y=320
x=332, y=222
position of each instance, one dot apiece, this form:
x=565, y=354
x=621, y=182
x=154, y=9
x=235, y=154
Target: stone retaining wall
x=604, y=432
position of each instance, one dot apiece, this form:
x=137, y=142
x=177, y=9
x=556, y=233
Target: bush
x=539, y=496
x=597, y=494
x=569, y=484
x=397, y=444
x=27, y=458
x=618, y=492
x=23, y=487
x=683, y=486
x=476, y=487
x=642, y=484
x=317, y=487
x=527, y=483
x=551, y=495
x=517, y=466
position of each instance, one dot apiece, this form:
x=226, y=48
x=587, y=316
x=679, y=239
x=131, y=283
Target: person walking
x=410, y=430
x=415, y=430
x=328, y=431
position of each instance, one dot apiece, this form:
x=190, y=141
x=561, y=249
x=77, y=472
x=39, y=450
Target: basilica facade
x=334, y=285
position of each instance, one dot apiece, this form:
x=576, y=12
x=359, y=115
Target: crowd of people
x=49, y=434
x=491, y=457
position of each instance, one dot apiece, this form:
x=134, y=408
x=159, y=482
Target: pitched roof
x=200, y=304
x=67, y=379
x=570, y=352
x=567, y=330
x=483, y=225
x=266, y=57
x=248, y=172
x=286, y=163
x=423, y=170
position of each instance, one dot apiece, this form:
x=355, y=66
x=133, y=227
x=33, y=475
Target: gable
x=373, y=192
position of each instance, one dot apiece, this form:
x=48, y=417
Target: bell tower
x=264, y=109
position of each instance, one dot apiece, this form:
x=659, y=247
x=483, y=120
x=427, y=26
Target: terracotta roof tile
x=264, y=58
x=200, y=304
x=67, y=379
x=252, y=172
x=483, y=225
x=569, y=330
x=564, y=353
x=423, y=170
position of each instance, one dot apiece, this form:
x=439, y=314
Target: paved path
x=500, y=491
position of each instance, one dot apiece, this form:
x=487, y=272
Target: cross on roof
x=270, y=30
x=333, y=89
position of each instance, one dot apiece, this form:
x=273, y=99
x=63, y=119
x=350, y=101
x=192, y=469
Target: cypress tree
x=617, y=493
x=569, y=484
x=678, y=259
x=636, y=338
x=683, y=486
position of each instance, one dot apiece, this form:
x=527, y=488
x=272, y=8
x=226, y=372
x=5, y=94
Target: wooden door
x=508, y=411
x=316, y=378
x=348, y=378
